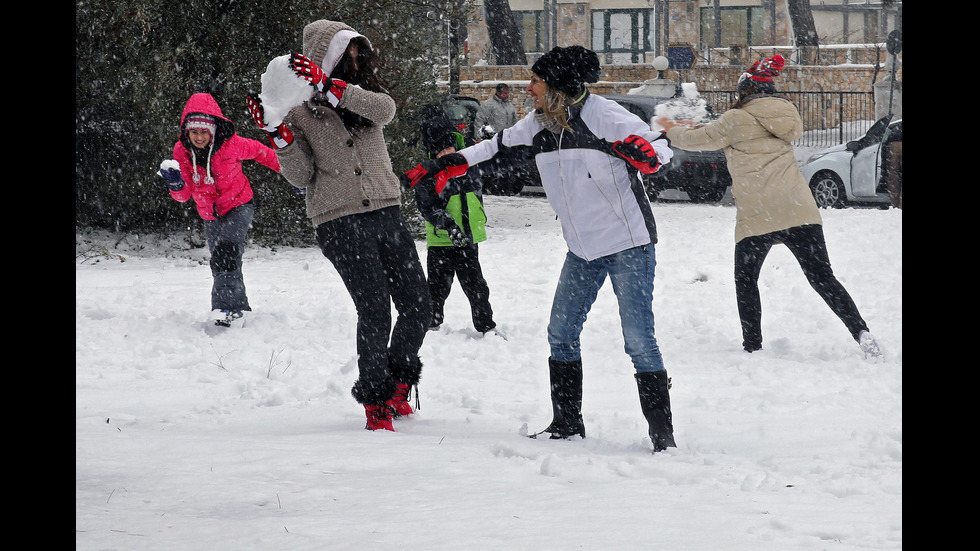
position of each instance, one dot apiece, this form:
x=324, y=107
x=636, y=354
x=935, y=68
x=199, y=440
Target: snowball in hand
x=282, y=89
x=169, y=163
x=689, y=107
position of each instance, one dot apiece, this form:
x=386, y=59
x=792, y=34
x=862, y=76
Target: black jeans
x=376, y=257
x=443, y=264
x=808, y=246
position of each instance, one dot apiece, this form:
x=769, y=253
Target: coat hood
x=204, y=103
x=326, y=41
x=779, y=116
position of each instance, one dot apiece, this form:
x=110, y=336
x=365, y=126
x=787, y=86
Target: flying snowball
x=689, y=107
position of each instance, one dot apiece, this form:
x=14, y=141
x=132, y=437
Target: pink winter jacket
x=222, y=162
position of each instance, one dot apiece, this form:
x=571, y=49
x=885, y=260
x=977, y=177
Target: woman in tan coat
x=773, y=202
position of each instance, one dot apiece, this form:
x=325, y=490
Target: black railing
x=829, y=118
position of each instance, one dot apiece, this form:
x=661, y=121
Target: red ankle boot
x=378, y=418
x=400, y=400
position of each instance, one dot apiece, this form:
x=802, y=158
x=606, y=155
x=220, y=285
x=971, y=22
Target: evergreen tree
x=137, y=62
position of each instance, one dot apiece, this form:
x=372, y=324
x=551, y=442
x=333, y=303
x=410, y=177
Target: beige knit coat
x=343, y=172
x=769, y=190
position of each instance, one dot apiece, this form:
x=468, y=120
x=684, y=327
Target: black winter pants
x=377, y=259
x=443, y=264
x=808, y=246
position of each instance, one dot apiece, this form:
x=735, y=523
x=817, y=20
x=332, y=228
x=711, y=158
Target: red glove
x=638, y=152
x=335, y=91
x=329, y=89
x=281, y=135
x=441, y=170
x=306, y=69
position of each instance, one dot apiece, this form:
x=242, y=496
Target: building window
x=740, y=26
x=624, y=36
x=529, y=22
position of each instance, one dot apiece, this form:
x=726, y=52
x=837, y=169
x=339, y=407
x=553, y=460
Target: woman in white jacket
x=589, y=151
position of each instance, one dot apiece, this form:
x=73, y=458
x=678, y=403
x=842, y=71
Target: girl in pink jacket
x=209, y=157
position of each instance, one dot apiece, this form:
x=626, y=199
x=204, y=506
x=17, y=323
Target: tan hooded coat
x=769, y=190
x=344, y=172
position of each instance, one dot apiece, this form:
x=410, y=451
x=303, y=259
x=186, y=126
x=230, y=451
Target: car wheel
x=828, y=190
x=505, y=185
x=512, y=187
x=706, y=195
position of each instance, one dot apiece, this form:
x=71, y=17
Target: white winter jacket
x=598, y=196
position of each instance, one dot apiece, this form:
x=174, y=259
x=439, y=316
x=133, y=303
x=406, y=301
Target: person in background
x=590, y=152
x=495, y=114
x=455, y=223
x=892, y=164
x=333, y=146
x=773, y=202
x=209, y=157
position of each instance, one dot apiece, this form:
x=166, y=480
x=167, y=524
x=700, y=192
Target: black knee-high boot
x=655, y=402
x=566, y=400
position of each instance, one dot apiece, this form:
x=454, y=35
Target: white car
x=851, y=173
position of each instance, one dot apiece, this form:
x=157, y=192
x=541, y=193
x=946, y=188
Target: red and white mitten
x=281, y=135
x=330, y=89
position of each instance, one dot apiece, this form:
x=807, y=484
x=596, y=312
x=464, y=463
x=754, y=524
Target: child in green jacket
x=455, y=223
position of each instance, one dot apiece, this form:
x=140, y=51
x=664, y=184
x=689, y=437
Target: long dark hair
x=749, y=90
x=367, y=74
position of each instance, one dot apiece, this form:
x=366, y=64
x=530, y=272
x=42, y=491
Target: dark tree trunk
x=505, y=37
x=804, y=30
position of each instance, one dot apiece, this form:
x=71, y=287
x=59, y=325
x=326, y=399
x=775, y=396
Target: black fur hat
x=568, y=69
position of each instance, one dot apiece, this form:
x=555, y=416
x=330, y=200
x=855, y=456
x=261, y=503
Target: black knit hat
x=568, y=69
x=438, y=134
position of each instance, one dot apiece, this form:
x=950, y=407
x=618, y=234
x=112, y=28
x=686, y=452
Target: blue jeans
x=631, y=272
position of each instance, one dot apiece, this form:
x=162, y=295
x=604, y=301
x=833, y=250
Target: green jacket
x=466, y=210
x=460, y=203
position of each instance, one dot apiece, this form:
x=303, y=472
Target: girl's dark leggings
x=808, y=246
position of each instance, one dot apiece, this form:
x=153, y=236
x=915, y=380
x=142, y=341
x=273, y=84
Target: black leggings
x=376, y=257
x=808, y=246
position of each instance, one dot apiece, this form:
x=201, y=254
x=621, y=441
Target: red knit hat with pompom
x=764, y=69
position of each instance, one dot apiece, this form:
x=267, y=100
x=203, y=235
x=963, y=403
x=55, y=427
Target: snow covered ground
x=249, y=439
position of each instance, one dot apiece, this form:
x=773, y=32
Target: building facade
x=710, y=31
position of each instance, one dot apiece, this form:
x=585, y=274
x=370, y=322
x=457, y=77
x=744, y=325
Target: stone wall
x=479, y=81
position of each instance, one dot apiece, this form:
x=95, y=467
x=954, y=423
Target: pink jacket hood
x=205, y=103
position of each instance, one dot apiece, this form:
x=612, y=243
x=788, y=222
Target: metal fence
x=829, y=118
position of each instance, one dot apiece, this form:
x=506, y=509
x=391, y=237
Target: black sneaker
x=228, y=318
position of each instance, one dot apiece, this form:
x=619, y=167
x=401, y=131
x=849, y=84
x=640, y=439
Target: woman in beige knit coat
x=333, y=147
x=772, y=200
